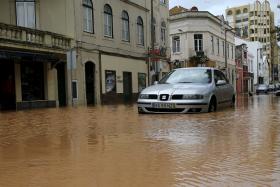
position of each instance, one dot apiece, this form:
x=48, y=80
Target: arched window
x=140, y=31
x=238, y=12
x=125, y=26
x=25, y=13
x=108, y=21
x=229, y=13
x=245, y=10
x=163, y=32
x=88, y=16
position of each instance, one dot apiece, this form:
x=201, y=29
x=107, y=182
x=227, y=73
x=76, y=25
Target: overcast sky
x=217, y=7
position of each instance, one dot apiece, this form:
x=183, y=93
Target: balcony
x=12, y=34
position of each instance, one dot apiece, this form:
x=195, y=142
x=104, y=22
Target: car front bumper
x=155, y=106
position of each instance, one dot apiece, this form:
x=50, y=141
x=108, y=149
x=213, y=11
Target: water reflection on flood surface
x=114, y=146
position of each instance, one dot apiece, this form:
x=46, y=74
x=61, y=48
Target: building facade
x=255, y=22
x=79, y=52
x=254, y=61
x=198, y=39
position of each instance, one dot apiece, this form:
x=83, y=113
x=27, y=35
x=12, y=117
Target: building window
x=32, y=81
x=218, y=46
x=212, y=42
x=229, y=13
x=25, y=10
x=238, y=12
x=228, y=50
x=108, y=21
x=232, y=51
x=163, y=32
x=125, y=27
x=223, y=45
x=140, y=31
x=176, y=44
x=88, y=16
x=163, y=1
x=198, y=42
x=154, y=30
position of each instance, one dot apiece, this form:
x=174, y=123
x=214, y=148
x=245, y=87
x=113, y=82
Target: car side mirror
x=221, y=82
x=156, y=82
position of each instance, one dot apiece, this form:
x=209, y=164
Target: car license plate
x=163, y=105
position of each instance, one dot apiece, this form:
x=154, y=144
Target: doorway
x=127, y=86
x=61, y=84
x=7, y=86
x=90, y=82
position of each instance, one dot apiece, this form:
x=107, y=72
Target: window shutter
x=20, y=14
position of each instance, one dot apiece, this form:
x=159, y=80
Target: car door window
x=218, y=75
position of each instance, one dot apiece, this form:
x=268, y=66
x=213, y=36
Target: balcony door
x=25, y=13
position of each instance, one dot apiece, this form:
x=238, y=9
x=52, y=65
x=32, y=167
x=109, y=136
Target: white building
x=257, y=62
x=194, y=33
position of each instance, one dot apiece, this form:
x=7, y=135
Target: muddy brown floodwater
x=114, y=146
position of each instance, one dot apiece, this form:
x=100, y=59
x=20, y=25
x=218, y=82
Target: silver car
x=187, y=90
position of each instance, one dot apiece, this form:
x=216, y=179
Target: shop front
x=122, y=78
x=29, y=80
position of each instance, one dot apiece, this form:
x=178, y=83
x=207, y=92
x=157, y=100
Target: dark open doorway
x=90, y=82
x=61, y=84
x=127, y=86
x=7, y=86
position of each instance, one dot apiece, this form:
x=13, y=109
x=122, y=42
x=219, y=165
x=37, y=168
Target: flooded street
x=114, y=146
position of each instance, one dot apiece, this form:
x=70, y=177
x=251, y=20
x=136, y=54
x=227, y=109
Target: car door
x=220, y=89
x=228, y=89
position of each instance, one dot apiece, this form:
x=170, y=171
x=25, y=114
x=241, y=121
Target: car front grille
x=177, y=97
x=175, y=110
x=153, y=96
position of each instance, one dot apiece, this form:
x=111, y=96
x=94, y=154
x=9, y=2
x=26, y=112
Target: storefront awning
x=32, y=56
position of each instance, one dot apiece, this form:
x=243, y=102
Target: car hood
x=181, y=88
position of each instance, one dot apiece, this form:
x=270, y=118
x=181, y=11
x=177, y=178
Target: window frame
x=175, y=47
x=163, y=32
x=198, y=42
x=92, y=15
x=16, y=12
x=109, y=14
x=125, y=19
x=140, y=24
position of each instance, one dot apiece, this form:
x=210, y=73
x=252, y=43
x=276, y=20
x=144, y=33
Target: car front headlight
x=143, y=96
x=193, y=97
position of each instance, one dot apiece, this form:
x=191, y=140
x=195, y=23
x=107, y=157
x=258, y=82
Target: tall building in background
x=255, y=22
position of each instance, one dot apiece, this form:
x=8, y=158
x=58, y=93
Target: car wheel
x=140, y=111
x=212, y=105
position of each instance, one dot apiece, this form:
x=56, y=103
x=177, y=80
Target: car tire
x=140, y=111
x=212, y=105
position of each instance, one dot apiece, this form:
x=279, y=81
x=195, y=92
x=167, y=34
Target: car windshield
x=263, y=86
x=201, y=76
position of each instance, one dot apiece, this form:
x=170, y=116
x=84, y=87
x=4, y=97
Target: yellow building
x=58, y=53
x=255, y=22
